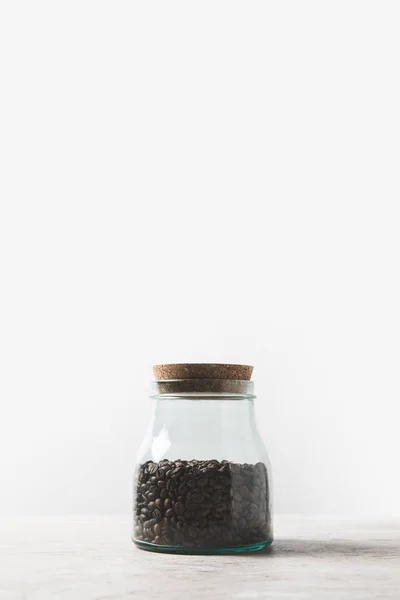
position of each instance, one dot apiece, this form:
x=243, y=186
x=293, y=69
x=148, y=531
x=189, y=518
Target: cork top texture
x=202, y=371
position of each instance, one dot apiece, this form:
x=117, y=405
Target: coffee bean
x=170, y=512
x=227, y=536
x=197, y=498
x=218, y=485
x=176, y=473
x=164, y=494
x=211, y=471
x=179, y=508
x=149, y=523
x=243, y=491
x=216, y=497
x=179, y=537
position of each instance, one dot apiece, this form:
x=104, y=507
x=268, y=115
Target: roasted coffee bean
x=149, y=523
x=153, y=468
x=216, y=497
x=243, y=491
x=197, y=498
x=179, y=508
x=202, y=504
x=176, y=473
x=179, y=537
x=218, y=485
x=227, y=536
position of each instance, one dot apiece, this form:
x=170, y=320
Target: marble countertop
x=92, y=558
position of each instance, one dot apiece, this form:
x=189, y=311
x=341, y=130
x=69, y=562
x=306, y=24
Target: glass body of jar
x=202, y=482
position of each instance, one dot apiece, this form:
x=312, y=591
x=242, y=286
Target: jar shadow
x=326, y=549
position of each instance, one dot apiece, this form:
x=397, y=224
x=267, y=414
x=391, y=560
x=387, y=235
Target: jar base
x=181, y=550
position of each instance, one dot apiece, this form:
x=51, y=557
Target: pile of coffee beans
x=202, y=504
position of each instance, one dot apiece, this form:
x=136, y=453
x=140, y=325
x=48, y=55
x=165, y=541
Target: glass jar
x=202, y=481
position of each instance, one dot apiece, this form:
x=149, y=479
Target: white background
x=199, y=181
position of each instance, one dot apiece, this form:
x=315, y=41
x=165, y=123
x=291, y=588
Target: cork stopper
x=202, y=371
x=202, y=378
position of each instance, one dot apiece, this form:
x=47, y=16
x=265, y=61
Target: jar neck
x=193, y=425
x=204, y=410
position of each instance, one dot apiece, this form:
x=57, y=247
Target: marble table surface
x=92, y=558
